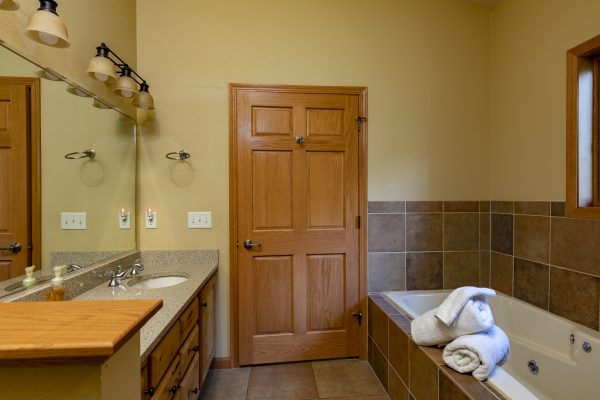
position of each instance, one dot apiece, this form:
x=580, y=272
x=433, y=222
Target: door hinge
x=237, y=244
x=358, y=222
x=360, y=119
x=358, y=316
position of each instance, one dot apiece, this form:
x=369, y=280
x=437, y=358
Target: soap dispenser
x=57, y=292
x=29, y=279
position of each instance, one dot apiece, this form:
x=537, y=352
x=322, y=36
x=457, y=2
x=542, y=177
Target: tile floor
x=333, y=380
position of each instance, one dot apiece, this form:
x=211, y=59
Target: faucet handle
x=114, y=282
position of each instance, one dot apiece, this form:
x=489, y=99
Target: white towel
x=479, y=353
x=476, y=316
x=448, y=311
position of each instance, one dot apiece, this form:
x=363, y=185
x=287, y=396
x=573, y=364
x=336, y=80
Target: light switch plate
x=73, y=220
x=199, y=219
x=151, y=217
x=125, y=222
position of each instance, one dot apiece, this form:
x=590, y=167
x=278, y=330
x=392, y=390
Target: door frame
x=234, y=89
x=35, y=163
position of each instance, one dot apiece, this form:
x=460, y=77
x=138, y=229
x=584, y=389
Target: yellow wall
x=89, y=24
x=529, y=43
x=426, y=65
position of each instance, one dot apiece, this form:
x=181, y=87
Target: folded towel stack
x=464, y=319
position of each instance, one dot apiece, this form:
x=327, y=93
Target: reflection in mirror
x=77, y=216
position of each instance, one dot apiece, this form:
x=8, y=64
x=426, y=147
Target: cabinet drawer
x=189, y=318
x=168, y=386
x=189, y=349
x=161, y=357
x=190, y=383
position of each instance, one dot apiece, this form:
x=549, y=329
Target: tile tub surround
x=420, y=245
x=408, y=371
x=527, y=249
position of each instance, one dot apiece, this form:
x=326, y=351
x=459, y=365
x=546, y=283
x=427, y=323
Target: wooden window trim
x=588, y=52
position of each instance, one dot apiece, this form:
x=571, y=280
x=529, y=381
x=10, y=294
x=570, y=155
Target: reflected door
x=15, y=203
x=298, y=205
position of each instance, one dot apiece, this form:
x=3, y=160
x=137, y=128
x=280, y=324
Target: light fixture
x=103, y=67
x=101, y=105
x=144, y=99
x=46, y=27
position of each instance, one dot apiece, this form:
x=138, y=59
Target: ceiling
x=484, y=3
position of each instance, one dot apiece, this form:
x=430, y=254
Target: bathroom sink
x=157, y=281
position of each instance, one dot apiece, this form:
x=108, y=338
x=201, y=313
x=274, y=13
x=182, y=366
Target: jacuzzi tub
x=565, y=370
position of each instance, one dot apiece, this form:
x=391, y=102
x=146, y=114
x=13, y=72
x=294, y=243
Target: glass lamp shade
x=126, y=87
x=101, y=105
x=47, y=28
x=102, y=69
x=144, y=101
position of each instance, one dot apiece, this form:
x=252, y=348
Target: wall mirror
x=75, y=210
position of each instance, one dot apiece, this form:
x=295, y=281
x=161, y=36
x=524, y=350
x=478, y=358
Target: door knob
x=299, y=139
x=250, y=244
x=14, y=247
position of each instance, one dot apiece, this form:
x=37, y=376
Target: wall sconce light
x=124, y=219
x=104, y=68
x=46, y=27
x=150, y=219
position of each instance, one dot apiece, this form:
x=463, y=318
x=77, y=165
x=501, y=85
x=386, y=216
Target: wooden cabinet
x=177, y=367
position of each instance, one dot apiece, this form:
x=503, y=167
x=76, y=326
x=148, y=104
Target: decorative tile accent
x=557, y=208
x=531, y=282
x=461, y=206
x=503, y=207
x=532, y=207
x=424, y=232
x=424, y=271
x=387, y=207
x=485, y=206
x=386, y=232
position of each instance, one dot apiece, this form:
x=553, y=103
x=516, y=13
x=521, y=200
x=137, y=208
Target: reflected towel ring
x=91, y=153
x=178, y=155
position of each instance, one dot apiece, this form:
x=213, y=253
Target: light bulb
x=101, y=77
x=48, y=38
x=126, y=93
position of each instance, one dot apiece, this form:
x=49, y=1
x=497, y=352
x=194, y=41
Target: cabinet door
x=167, y=388
x=161, y=356
x=190, y=383
x=144, y=382
x=207, y=323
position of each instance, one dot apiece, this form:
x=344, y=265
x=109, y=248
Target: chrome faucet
x=136, y=268
x=72, y=268
x=120, y=273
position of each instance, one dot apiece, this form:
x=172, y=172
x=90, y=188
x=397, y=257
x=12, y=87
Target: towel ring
x=178, y=155
x=91, y=153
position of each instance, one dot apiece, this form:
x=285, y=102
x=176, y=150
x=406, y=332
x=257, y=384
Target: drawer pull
x=173, y=389
x=205, y=304
x=194, y=349
x=149, y=391
x=194, y=391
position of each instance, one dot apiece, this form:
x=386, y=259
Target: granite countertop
x=175, y=298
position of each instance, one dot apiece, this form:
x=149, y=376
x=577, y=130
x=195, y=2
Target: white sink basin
x=157, y=281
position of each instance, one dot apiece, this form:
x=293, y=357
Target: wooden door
x=297, y=201
x=15, y=200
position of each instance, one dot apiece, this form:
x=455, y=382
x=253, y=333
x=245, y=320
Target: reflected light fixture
x=107, y=63
x=46, y=27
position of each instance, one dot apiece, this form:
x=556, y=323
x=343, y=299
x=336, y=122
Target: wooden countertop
x=70, y=330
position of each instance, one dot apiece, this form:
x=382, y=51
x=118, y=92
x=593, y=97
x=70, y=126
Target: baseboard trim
x=221, y=363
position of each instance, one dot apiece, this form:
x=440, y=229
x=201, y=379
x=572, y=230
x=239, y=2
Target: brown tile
x=226, y=384
x=346, y=378
x=435, y=354
x=453, y=386
x=398, y=355
x=424, y=271
x=371, y=347
x=484, y=231
x=423, y=374
x=502, y=207
x=387, y=271
x=557, y=208
x=501, y=272
x=424, y=232
x=381, y=397
x=532, y=238
x=424, y=206
x=461, y=231
x=574, y=244
x=386, y=232
x=396, y=388
x=461, y=206
x=502, y=233
x=532, y=208
x=461, y=268
x=385, y=306
x=531, y=282
x=484, y=268
x=575, y=296
x=387, y=207
x=401, y=321
x=380, y=330
x=371, y=305
x=380, y=367
x=485, y=206
x=289, y=381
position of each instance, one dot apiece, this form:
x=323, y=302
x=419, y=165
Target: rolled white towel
x=448, y=311
x=478, y=353
x=476, y=316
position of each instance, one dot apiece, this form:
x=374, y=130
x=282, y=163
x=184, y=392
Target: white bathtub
x=566, y=372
